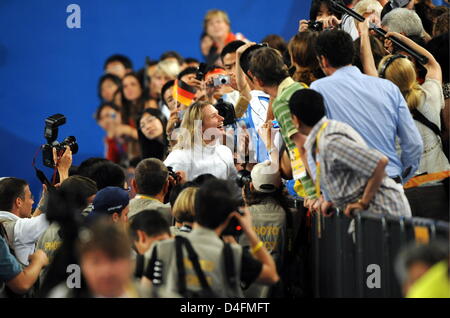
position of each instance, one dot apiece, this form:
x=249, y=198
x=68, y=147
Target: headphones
x=389, y=62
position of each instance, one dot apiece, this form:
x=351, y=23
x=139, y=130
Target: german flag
x=183, y=92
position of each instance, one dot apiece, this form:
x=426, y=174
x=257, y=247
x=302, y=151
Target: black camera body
x=52, y=124
x=234, y=227
x=226, y=110
x=200, y=75
x=173, y=174
x=315, y=26
x=243, y=177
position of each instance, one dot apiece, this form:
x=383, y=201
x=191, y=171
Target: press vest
x=209, y=249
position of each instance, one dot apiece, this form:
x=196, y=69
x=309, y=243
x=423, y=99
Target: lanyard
x=319, y=219
x=325, y=124
x=146, y=197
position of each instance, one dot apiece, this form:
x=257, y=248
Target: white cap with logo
x=266, y=177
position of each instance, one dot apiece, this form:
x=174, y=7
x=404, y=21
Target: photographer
x=322, y=16
x=263, y=196
x=220, y=262
x=151, y=183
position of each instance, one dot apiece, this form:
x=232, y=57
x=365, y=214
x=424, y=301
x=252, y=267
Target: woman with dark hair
x=109, y=119
x=322, y=11
x=152, y=134
x=109, y=87
x=134, y=98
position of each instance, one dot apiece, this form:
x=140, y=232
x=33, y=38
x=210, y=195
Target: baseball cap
x=266, y=177
x=110, y=200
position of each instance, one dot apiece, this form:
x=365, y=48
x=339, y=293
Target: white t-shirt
x=214, y=159
x=26, y=233
x=433, y=158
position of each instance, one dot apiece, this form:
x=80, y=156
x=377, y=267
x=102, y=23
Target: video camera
x=51, y=134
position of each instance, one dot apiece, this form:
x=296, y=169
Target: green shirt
x=282, y=113
x=280, y=108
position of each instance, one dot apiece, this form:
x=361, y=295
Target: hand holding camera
x=63, y=161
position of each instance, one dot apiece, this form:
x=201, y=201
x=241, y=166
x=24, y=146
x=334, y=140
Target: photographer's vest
x=7, y=232
x=209, y=249
x=49, y=242
x=269, y=223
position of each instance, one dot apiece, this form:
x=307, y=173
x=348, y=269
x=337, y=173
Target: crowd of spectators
x=203, y=158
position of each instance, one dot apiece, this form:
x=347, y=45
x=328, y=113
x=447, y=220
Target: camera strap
x=40, y=174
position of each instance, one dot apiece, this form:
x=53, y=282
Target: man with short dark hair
x=106, y=174
x=216, y=204
x=151, y=184
x=251, y=107
x=22, y=230
x=351, y=176
x=374, y=107
x=145, y=230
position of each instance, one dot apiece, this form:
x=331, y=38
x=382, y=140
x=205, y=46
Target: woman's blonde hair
x=168, y=68
x=401, y=72
x=184, y=207
x=191, y=126
x=213, y=14
x=368, y=6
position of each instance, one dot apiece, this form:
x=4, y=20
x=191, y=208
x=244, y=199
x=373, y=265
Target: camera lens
x=70, y=141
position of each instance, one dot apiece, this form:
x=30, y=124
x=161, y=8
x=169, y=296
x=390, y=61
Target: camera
x=234, y=228
x=173, y=174
x=226, y=110
x=200, y=75
x=52, y=125
x=246, y=56
x=221, y=80
x=315, y=26
x=243, y=177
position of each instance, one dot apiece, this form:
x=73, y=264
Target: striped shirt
x=282, y=113
x=346, y=165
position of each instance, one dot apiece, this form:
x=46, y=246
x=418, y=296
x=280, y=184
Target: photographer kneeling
x=262, y=193
x=201, y=264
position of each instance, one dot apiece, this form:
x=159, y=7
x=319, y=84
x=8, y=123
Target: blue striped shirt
x=376, y=109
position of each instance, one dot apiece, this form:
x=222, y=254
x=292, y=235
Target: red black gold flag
x=183, y=92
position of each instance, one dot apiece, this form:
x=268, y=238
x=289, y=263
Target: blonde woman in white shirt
x=199, y=147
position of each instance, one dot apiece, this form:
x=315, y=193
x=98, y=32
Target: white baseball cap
x=266, y=177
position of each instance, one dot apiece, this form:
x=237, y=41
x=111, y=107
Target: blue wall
x=47, y=68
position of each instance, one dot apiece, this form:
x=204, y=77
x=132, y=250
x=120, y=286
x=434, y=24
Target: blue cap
x=110, y=200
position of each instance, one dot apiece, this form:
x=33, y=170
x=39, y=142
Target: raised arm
x=434, y=70
x=366, y=50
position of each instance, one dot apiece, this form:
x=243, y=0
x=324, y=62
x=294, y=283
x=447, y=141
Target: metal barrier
x=342, y=262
